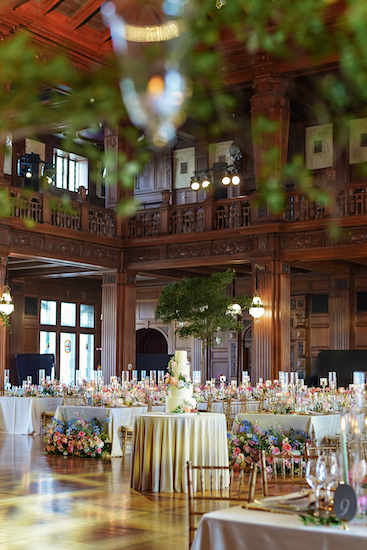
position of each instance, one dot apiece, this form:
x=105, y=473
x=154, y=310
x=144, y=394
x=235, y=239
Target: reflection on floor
x=80, y=504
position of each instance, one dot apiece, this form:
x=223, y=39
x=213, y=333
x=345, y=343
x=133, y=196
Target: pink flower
x=247, y=449
x=248, y=459
x=275, y=450
x=286, y=447
x=236, y=451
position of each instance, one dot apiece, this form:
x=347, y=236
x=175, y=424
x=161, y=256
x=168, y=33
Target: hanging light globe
x=257, y=308
x=6, y=301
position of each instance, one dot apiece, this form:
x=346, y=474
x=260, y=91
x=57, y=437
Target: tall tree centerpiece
x=201, y=307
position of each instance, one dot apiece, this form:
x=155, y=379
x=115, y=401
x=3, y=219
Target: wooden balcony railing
x=47, y=209
x=210, y=215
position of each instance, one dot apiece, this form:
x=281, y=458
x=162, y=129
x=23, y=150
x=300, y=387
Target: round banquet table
x=163, y=443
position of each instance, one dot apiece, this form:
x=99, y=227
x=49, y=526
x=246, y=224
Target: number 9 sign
x=345, y=502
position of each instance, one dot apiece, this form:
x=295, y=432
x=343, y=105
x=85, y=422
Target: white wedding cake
x=180, y=392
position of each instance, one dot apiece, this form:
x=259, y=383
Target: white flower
x=180, y=384
x=99, y=445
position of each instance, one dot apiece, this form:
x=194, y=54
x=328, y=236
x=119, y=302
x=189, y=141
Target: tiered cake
x=177, y=395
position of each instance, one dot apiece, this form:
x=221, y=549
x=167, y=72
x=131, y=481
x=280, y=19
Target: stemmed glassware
x=330, y=467
x=315, y=477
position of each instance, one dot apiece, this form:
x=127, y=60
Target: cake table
x=163, y=443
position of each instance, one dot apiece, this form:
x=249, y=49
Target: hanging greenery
x=282, y=28
x=5, y=320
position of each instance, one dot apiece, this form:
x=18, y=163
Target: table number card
x=345, y=502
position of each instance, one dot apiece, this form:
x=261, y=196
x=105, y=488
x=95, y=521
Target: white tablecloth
x=239, y=529
x=22, y=415
x=319, y=426
x=164, y=442
x=118, y=417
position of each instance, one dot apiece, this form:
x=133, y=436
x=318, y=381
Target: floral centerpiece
x=186, y=407
x=246, y=444
x=77, y=437
x=181, y=381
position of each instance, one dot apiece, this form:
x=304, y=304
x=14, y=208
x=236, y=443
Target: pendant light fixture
x=6, y=301
x=257, y=308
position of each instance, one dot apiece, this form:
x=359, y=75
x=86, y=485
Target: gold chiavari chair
x=314, y=451
x=210, y=403
x=73, y=400
x=285, y=471
x=231, y=409
x=241, y=488
x=126, y=435
x=251, y=405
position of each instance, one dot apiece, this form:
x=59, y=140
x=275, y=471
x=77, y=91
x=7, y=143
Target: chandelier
x=6, y=301
x=230, y=173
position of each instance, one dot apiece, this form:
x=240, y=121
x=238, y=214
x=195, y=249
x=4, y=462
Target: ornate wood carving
x=66, y=247
x=232, y=246
x=188, y=250
x=305, y=239
x=26, y=240
x=73, y=249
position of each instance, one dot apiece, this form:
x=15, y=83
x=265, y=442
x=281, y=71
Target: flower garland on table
x=181, y=381
x=246, y=444
x=185, y=407
x=77, y=437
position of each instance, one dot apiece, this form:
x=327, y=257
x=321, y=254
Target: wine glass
x=330, y=465
x=315, y=477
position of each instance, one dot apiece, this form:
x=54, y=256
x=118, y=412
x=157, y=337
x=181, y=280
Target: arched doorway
x=151, y=350
x=149, y=340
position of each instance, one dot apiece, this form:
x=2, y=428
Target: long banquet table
x=318, y=426
x=163, y=443
x=117, y=417
x=256, y=530
x=22, y=415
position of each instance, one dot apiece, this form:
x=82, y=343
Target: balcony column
x=117, y=141
x=269, y=101
x=118, y=338
x=271, y=335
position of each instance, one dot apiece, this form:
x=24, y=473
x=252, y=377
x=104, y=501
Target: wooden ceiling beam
x=85, y=13
x=48, y=5
x=330, y=267
x=360, y=261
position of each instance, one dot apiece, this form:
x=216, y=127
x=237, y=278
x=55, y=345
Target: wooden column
x=109, y=325
x=340, y=313
x=270, y=101
x=118, y=323
x=3, y=333
x=271, y=335
x=126, y=330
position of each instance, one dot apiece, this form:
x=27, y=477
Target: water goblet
x=331, y=467
x=315, y=477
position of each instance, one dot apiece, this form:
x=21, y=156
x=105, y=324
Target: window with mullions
x=71, y=170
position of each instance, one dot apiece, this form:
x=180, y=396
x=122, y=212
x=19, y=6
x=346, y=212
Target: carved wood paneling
x=340, y=313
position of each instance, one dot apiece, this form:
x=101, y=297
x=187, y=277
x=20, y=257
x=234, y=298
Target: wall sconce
x=257, y=308
x=49, y=173
x=230, y=172
x=27, y=166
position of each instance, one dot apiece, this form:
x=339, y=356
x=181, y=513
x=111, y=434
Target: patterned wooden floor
x=80, y=504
